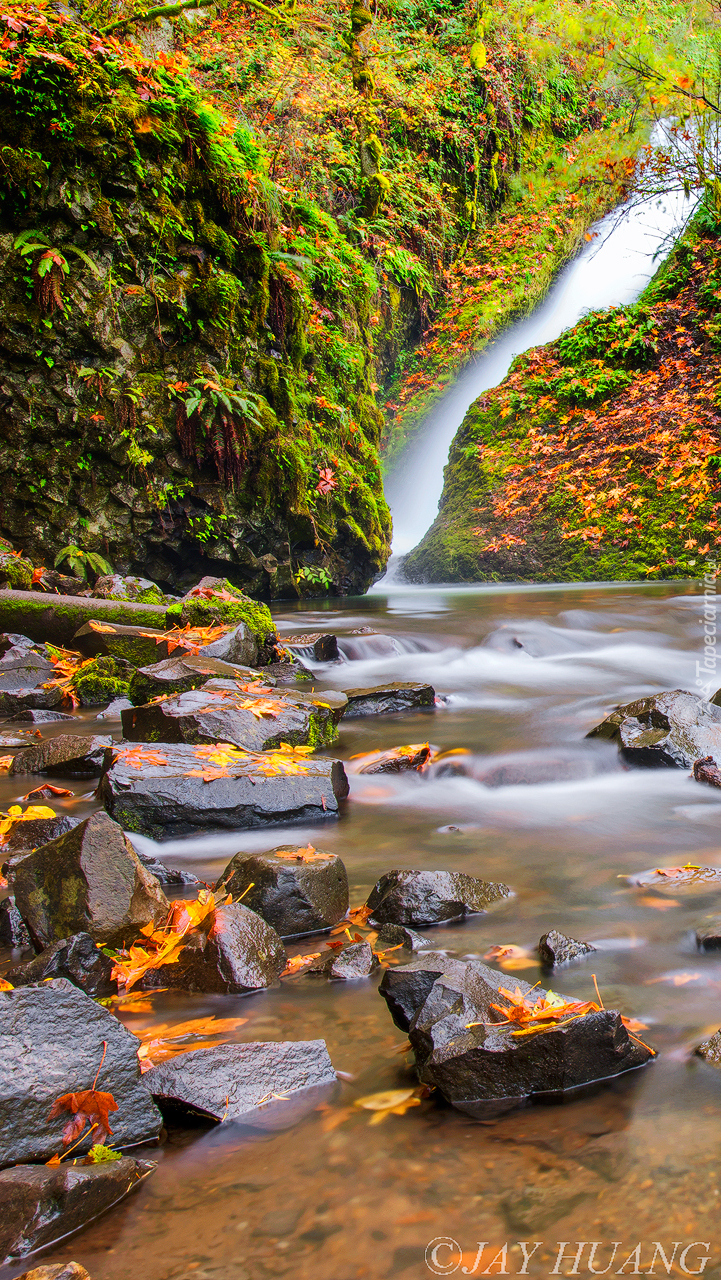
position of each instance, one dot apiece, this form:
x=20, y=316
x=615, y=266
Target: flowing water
x=523, y=673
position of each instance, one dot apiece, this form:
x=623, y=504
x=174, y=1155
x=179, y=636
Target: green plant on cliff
x=79, y=562
x=49, y=268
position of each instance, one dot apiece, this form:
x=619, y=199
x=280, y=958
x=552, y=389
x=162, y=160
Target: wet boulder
x=15, y=571
x=15, y=700
x=708, y=934
x=406, y=988
x=248, y=715
x=320, y=646
x=26, y=835
x=484, y=1069
x=557, y=949
x=140, y=646
x=430, y=897
x=666, y=730
x=355, y=961
x=238, y=953
x=12, y=640
x=101, y=680
x=13, y=931
x=78, y=959
x=232, y=1081
x=180, y=674
x=174, y=790
x=394, y=760
x=238, y=646
x=296, y=890
x=384, y=699
x=51, y=1043
x=397, y=935
x=34, y=716
x=23, y=668
x=87, y=881
x=710, y=1050
x=706, y=770
x=115, y=709
x=215, y=601
x=69, y=755
x=43, y=1205
x=139, y=590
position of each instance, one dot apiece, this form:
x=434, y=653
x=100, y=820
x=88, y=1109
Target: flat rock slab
x=69, y=755
x=22, y=668
x=57, y=618
x=41, y=1205
x=179, y=674
x=232, y=1081
x=431, y=897
x=34, y=716
x=78, y=959
x=688, y=879
x=28, y=699
x=253, y=716
x=667, y=730
x=297, y=891
x=484, y=1069
x=141, y=646
x=87, y=881
x=239, y=954
x=51, y=1043
x=174, y=790
x=27, y=835
x=557, y=948
x=384, y=699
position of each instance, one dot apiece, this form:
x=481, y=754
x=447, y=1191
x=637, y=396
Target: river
x=525, y=672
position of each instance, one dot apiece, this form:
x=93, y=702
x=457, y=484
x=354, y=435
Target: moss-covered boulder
x=15, y=571
x=141, y=590
x=215, y=601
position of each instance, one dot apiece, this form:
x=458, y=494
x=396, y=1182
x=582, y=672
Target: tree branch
x=171, y=10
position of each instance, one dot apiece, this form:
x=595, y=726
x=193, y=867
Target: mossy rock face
x=139, y=590
x=102, y=680
x=15, y=572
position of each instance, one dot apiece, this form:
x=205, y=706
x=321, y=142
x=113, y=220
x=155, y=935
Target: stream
x=525, y=673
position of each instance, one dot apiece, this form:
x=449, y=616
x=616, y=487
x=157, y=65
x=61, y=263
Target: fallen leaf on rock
x=89, y=1106
x=308, y=854
x=391, y=1102
x=6, y=761
x=5, y=985
x=46, y=792
x=357, y=916
x=167, y=1040
x=260, y=707
x=164, y=944
x=633, y=1024
x=672, y=873
x=31, y=814
x=101, y=626
x=296, y=963
x=140, y=758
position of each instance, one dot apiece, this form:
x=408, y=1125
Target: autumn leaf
x=103, y=627
x=296, y=963
x=88, y=1106
x=6, y=761
x=46, y=791
x=31, y=814
x=5, y=985
x=510, y=956
x=391, y=1102
x=307, y=854
x=166, y=1040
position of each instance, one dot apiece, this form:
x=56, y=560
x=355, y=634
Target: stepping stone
x=51, y=1043
x=557, y=949
x=232, y=1081
x=168, y=791
x=78, y=959
x=239, y=953
x=384, y=699
x=297, y=891
x=431, y=897
x=232, y=711
x=666, y=730
x=69, y=755
x=34, y=716
x=178, y=675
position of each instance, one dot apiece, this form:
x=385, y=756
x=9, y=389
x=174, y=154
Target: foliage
x=79, y=561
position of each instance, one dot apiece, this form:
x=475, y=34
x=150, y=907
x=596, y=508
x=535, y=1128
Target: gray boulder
x=68, y=755
x=232, y=1081
x=354, y=961
x=320, y=646
x=51, y=1043
x=384, y=699
x=556, y=949
x=180, y=673
x=484, y=1069
x=13, y=932
x=395, y=935
x=239, y=953
x=238, y=646
x=186, y=792
x=223, y=711
x=88, y=881
x=16, y=700
x=115, y=709
x=407, y=987
x=666, y=730
x=430, y=897
x=294, y=895
x=39, y=717
x=42, y=1206
x=78, y=959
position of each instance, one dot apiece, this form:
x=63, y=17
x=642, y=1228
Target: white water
x=611, y=270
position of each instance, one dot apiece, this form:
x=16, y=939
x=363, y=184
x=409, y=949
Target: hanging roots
x=47, y=289
x=125, y=412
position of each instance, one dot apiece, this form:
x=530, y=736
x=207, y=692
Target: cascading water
x=611, y=270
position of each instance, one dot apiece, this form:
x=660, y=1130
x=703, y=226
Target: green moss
x=102, y=680
x=202, y=611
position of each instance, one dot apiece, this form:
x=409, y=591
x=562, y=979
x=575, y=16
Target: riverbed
x=523, y=674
